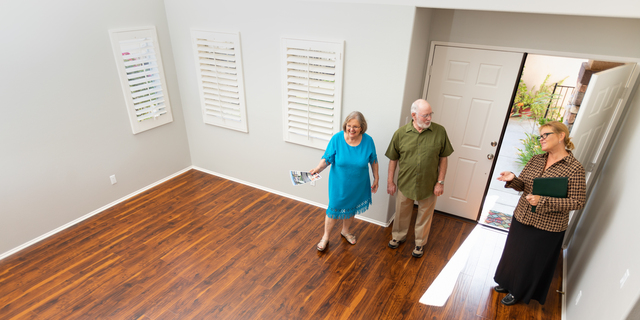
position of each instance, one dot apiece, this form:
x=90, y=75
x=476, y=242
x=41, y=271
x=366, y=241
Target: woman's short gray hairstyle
x=358, y=116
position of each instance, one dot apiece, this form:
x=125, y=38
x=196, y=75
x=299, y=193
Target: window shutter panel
x=312, y=91
x=139, y=64
x=220, y=80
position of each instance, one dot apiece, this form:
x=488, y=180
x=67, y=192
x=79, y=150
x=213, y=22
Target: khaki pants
x=402, y=221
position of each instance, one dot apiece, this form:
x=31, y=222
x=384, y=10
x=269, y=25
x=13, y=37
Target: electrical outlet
x=624, y=278
x=113, y=179
x=578, y=298
x=313, y=183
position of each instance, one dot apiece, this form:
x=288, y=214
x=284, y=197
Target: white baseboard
x=563, y=315
x=253, y=185
x=376, y=222
x=90, y=214
x=93, y=213
x=286, y=195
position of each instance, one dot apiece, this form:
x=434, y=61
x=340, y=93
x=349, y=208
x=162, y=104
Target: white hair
x=414, y=107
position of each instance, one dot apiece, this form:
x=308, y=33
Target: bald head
x=420, y=104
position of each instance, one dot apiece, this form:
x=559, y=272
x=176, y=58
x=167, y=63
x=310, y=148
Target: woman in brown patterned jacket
x=534, y=242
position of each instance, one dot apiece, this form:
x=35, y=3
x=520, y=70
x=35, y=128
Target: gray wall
x=593, y=35
x=64, y=128
x=378, y=40
x=606, y=242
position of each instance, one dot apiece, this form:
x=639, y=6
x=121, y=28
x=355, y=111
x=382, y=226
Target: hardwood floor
x=201, y=247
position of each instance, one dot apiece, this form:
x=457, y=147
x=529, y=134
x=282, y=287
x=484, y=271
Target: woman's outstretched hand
x=506, y=176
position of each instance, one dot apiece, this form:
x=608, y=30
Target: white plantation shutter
x=139, y=65
x=312, y=83
x=220, y=81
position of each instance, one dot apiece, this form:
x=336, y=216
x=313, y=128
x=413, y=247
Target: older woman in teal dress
x=351, y=152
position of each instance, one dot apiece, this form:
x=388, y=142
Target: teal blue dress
x=349, y=182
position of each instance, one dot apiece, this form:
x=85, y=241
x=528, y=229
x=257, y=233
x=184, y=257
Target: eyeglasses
x=545, y=135
x=425, y=116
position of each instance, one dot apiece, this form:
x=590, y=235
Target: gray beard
x=423, y=126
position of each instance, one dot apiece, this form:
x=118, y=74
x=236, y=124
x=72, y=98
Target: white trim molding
x=89, y=215
x=286, y=195
x=101, y=209
x=563, y=314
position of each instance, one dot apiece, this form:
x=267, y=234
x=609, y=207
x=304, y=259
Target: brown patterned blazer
x=552, y=214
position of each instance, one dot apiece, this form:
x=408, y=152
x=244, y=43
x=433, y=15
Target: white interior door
x=470, y=93
x=597, y=118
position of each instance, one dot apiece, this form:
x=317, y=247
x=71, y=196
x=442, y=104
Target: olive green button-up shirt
x=418, y=155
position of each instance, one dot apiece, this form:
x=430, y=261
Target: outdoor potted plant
x=534, y=105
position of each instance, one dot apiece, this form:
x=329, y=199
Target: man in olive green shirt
x=421, y=148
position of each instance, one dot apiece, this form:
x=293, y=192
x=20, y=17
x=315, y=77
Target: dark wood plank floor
x=201, y=247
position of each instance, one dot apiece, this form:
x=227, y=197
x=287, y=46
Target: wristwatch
x=441, y=182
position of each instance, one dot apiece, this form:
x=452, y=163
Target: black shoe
x=500, y=289
x=509, y=300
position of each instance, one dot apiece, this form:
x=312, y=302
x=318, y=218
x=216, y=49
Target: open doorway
x=550, y=88
x=472, y=93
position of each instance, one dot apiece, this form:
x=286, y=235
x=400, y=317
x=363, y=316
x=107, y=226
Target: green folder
x=550, y=187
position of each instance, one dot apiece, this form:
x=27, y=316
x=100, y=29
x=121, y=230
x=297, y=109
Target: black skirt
x=528, y=262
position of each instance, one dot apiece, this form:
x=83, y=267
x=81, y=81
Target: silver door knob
x=494, y=143
x=490, y=156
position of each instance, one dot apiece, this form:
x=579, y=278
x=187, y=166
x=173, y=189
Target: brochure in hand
x=550, y=187
x=302, y=177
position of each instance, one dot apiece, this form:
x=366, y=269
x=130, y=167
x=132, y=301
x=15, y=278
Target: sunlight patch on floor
x=442, y=287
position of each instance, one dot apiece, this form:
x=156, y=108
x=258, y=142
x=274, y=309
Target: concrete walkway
x=500, y=198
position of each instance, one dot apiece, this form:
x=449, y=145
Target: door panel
x=598, y=116
x=464, y=169
x=599, y=112
x=470, y=93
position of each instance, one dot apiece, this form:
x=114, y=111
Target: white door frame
x=616, y=129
